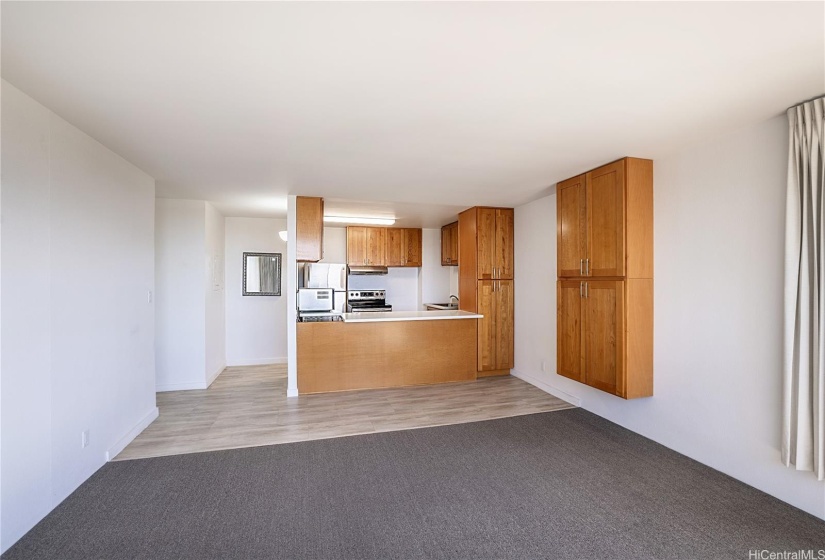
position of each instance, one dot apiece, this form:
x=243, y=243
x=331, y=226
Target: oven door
x=369, y=308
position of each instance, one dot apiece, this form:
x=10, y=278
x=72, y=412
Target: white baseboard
x=142, y=424
x=547, y=388
x=181, y=386
x=258, y=362
x=292, y=392
x=215, y=375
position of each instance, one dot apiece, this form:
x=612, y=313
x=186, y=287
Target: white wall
x=435, y=279
x=719, y=241
x=189, y=275
x=214, y=297
x=290, y=272
x=255, y=325
x=180, y=246
x=401, y=284
x=77, y=265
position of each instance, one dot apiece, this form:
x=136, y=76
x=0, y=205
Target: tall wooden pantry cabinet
x=485, y=283
x=605, y=278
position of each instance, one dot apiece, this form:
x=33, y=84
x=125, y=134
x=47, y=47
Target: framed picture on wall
x=262, y=274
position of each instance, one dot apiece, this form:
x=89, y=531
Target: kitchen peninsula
x=393, y=349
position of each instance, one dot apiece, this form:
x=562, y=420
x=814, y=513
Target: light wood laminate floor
x=247, y=407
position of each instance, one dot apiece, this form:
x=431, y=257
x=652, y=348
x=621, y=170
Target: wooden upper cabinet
x=571, y=226
x=486, y=240
x=396, y=250
x=357, y=246
x=309, y=228
x=449, y=245
x=403, y=247
x=412, y=247
x=606, y=220
x=376, y=246
x=494, y=236
x=504, y=243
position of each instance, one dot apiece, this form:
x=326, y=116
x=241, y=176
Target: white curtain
x=803, y=415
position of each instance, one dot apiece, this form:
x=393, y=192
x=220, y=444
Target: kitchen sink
x=442, y=306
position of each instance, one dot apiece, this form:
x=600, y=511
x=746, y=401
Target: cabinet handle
x=587, y=263
x=581, y=289
x=587, y=289
x=581, y=267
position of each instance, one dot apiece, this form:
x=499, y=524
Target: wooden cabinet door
x=604, y=335
x=605, y=220
x=412, y=247
x=504, y=243
x=570, y=329
x=396, y=249
x=376, y=246
x=357, y=246
x=454, y=244
x=571, y=226
x=446, y=237
x=505, y=341
x=487, y=325
x=309, y=228
x=449, y=245
x=486, y=240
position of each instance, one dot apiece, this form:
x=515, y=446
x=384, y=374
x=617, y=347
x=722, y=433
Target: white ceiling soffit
x=434, y=104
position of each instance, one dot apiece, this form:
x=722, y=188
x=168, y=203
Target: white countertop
x=379, y=317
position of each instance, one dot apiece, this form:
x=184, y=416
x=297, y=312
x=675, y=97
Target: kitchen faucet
x=456, y=300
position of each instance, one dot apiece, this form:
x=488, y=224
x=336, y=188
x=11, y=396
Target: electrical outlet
x=543, y=366
x=84, y=439
x=149, y=296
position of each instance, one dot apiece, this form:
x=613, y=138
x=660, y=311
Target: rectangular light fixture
x=361, y=221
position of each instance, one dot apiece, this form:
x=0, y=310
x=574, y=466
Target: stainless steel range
x=365, y=301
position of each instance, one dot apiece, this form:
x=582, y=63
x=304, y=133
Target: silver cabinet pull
x=581, y=267
x=587, y=263
x=586, y=289
x=581, y=289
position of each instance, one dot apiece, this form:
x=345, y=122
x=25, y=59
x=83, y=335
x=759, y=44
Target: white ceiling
x=423, y=108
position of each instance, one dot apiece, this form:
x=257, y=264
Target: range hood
x=368, y=270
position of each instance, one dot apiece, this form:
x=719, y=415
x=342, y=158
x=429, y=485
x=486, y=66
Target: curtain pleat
x=803, y=426
x=267, y=269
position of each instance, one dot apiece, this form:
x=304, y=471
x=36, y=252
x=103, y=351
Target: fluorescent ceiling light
x=364, y=221
x=282, y=235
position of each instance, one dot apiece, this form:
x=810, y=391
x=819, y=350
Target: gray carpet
x=564, y=484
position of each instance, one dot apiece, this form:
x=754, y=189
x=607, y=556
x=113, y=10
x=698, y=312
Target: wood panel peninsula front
x=393, y=349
